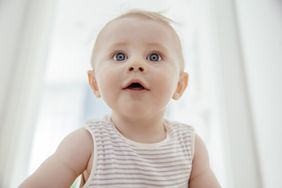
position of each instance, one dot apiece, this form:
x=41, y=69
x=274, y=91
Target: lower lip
x=136, y=90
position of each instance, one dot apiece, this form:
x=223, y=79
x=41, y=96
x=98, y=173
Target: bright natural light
x=232, y=52
x=68, y=102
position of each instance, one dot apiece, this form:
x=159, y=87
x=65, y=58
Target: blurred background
x=233, y=53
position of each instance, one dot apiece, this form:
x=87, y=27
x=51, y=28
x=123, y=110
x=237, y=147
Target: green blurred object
x=76, y=183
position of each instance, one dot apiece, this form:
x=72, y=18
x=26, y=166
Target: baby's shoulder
x=79, y=139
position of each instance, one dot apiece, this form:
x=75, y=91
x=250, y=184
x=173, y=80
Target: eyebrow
x=158, y=45
x=118, y=44
x=151, y=44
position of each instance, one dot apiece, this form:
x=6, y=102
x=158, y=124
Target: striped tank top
x=122, y=163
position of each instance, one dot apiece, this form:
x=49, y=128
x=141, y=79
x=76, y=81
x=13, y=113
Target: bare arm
x=68, y=162
x=202, y=176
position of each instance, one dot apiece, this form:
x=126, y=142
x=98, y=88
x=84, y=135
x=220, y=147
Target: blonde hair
x=155, y=16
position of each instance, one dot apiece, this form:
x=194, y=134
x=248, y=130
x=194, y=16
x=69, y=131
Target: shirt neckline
x=140, y=144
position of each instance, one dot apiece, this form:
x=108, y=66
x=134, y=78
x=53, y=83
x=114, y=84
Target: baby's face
x=137, y=68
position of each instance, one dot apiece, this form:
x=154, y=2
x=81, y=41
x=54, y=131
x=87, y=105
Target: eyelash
x=155, y=52
x=118, y=52
x=147, y=57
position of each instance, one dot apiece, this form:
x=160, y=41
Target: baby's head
x=137, y=61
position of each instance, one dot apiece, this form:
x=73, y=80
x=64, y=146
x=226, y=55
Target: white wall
x=234, y=111
x=260, y=23
x=24, y=35
x=248, y=39
x=12, y=14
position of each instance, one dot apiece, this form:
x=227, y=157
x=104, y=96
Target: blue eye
x=154, y=57
x=119, y=56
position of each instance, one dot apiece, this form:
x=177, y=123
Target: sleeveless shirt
x=122, y=163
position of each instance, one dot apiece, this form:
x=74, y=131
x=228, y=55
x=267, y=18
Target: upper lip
x=135, y=81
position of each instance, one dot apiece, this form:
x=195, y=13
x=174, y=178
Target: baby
x=138, y=67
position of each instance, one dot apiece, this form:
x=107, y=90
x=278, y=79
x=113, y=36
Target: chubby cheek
x=108, y=84
x=165, y=87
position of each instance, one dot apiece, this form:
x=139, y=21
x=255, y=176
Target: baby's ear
x=181, y=85
x=93, y=83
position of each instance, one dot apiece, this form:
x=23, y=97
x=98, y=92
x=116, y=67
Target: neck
x=140, y=129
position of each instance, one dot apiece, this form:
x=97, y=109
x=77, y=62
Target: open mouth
x=135, y=86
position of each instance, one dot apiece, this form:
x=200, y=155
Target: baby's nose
x=136, y=68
